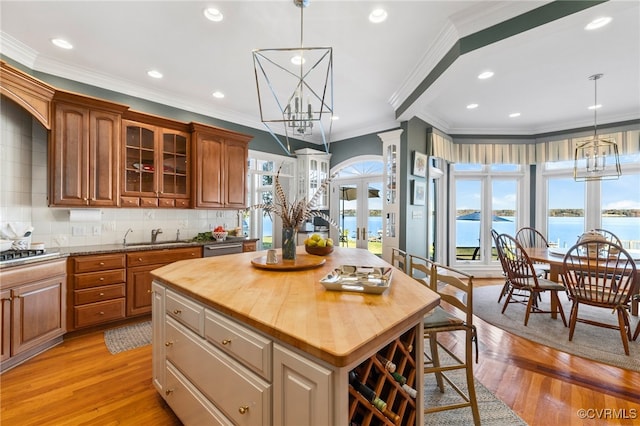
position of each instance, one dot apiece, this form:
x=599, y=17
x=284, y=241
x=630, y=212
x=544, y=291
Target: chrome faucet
x=154, y=234
x=124, y=240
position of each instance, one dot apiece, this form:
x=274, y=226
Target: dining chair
x=600, y=274
x=610, y=236
x=505, y=287
x=399, y=259
x=530, y=237
x=455, y=289
x=524, y=277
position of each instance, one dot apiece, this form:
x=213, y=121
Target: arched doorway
x=356, y=202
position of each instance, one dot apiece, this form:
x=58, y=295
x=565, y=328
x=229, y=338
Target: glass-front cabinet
x=391, y=189
x=313, y=170
x=155, y=166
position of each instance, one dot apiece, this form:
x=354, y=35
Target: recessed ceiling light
x=62, y=43
x=597, y=23
x=154, y=74
x=514, y=115
x=378, y=15
x=217, y=94
x=472, y=106
x=485, y=75
x=598, y=106
x=213, y=14
x=298, y=60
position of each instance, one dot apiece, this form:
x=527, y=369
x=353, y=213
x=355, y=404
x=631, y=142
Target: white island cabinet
x=247, y=346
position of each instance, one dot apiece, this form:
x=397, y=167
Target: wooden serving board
x=302, y=261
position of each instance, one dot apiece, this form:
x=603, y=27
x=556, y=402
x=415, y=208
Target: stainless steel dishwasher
x=219, y=249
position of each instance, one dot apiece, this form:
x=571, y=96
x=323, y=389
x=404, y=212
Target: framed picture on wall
x=419, y=164
x=418, y=193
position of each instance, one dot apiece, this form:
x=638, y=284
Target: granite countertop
x=60, y=252
x=133, y=246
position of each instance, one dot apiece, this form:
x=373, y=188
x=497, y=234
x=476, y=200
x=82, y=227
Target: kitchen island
x=233, y=343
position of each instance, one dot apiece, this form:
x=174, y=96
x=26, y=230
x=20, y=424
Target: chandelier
x=597, y=158
x=295, y=89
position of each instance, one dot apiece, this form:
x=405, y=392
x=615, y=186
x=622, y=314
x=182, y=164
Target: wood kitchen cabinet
x=33, y=309
x=84, y=147
x=155, y=162
x=97, y=289
x=219, y=167
x=139, y=267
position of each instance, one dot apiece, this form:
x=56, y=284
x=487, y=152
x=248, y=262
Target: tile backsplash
x=23, y=197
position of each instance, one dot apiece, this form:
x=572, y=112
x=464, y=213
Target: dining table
x=554, y=257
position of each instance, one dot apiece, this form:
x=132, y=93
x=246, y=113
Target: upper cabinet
x=313, y=170
x=219, y=167
x=155, y=162
x=84, y=147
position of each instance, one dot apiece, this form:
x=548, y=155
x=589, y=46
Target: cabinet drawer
x=208, y=368
x=148, y=202
x=129, y=201
x=93, y=279
x=185, y=204
x=99, y=262
x=163, y=257
x=249, y=246
x=188, y=403
x=238, y=341
x=166, y=202
x=99, y=294
x=96, y=313
x=186, y=311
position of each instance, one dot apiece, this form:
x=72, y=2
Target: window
x=484, y=197
x=571, y=208
x=262, y=170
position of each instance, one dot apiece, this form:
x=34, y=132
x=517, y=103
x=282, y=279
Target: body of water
x=563, y=231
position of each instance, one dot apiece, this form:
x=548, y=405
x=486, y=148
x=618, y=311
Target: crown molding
x=17, y=50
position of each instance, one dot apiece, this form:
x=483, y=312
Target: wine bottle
x=371, y=396
x=388, y=365
x=403, y=382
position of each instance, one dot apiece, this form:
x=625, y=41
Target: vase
x=289, y=237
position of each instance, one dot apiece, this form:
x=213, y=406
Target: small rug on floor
x=591, y=342
x=128, y=337
x=493, y=412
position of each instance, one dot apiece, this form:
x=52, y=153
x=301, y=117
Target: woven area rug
x=128, y=337
x=591, y=342
x=493, y=412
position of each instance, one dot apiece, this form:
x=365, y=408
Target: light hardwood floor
x=80, y=383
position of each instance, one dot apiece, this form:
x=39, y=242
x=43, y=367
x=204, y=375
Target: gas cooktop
x=11, y=257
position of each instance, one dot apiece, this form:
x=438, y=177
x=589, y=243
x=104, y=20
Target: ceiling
x=541, y=73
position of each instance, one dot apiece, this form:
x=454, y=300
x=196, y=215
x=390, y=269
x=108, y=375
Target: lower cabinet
x=33, y=309
x=105, y=288
x=211, y=369
x=139, y=267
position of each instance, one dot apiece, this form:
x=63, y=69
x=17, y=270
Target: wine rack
x=400, y=409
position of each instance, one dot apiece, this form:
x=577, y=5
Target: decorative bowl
x=220, y=236
x=318, y=251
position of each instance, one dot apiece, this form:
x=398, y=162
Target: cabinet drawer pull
x=148, y=291
x=101, y=313
x=101, y=294
x=169, y=343
x=226, y=341
x=101, y=263
x=168, y=392
x=177, y=311
x=139, y=259
x=243, y=409
x=101, y=278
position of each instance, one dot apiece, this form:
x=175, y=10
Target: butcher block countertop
x=338, y=327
